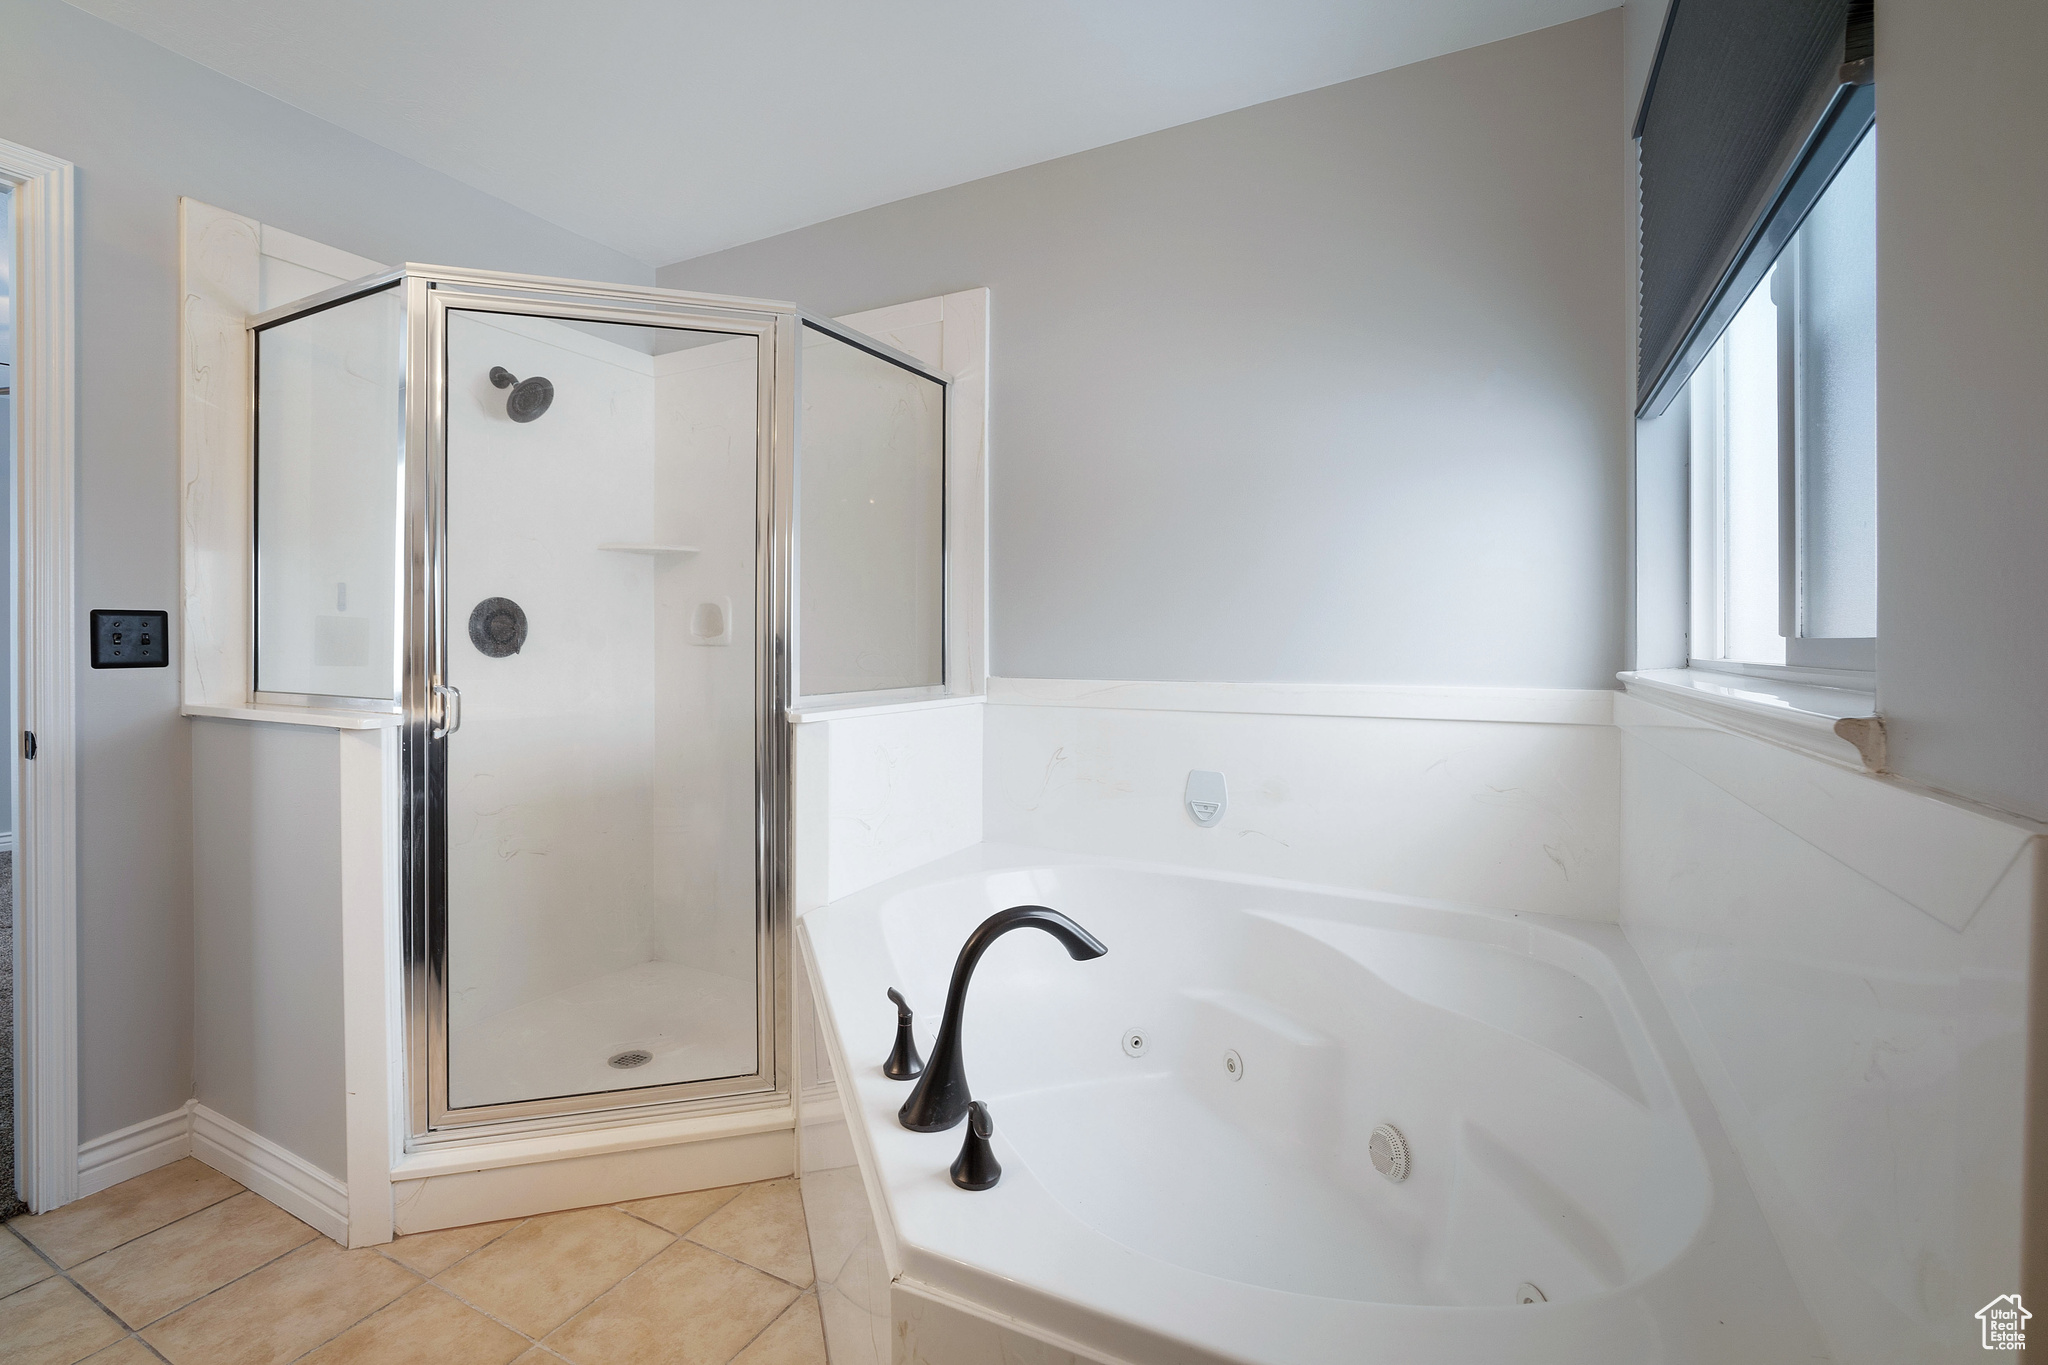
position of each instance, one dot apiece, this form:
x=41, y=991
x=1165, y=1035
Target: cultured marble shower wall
x=549, y=786
x=705, y=496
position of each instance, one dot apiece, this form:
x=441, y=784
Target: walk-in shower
x=555, y=527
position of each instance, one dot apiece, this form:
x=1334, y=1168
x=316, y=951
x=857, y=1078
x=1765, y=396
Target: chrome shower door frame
x=431, y=292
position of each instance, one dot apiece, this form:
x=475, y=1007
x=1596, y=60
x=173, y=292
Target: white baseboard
x=288, y=1181
x=6, y=841
x=486, y=1194
x=134, y=1150
x=455, y=1187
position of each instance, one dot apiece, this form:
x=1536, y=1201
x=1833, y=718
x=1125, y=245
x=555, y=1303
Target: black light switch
x=131, y=639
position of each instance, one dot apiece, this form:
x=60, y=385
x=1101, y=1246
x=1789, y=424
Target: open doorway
x=10, y=1199
x=38, y=639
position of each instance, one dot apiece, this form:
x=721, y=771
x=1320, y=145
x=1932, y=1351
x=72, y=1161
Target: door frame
x=433, y=292
x=45, y=653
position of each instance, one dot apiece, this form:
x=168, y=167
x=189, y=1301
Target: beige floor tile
x=53, y=1324
x=100, y=1222
x=19, y=1266
x=426, y=1327
x=687, y=1306
x=763, y=1226
x=126, y=1351
x=169, y=1268
x=430, y=1253
x=545, y=1269
x=283, y=1310
x=681, y=1212
x=795, y=1338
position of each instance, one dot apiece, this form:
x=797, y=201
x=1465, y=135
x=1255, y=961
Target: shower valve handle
x=451, y=704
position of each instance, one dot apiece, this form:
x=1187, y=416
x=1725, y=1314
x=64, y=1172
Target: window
x=1784, y=450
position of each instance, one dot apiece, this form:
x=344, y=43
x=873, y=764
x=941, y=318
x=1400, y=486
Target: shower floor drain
x=626, y=1061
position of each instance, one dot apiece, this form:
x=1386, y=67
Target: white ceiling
x=669, y=128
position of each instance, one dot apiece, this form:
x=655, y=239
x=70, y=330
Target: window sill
x=1769, y=676
x=1836, y=724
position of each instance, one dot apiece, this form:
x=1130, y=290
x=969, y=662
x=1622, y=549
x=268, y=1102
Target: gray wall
x=145, y=126
x=266, y=933
x=1332, y=388
x=1962, y=224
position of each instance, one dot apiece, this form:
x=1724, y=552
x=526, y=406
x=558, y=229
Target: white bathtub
x=1159, y=1208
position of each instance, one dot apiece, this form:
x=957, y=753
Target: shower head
x=529, y=397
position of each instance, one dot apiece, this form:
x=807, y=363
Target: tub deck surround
x=1153, y=1208
x=1847, y=960
x=1507, y=797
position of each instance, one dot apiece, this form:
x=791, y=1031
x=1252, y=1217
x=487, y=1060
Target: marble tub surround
x=1846, y=958
x=185, y=1265
x=1505, y=797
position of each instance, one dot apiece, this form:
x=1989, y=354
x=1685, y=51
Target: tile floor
x=185, y=1265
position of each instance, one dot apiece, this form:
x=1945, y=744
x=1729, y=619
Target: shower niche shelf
x=637, y=548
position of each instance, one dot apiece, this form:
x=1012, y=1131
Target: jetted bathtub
x=1184, y=1128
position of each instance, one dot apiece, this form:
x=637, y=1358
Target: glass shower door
x=600, y=829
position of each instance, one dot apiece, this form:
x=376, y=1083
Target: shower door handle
x=451, y=705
